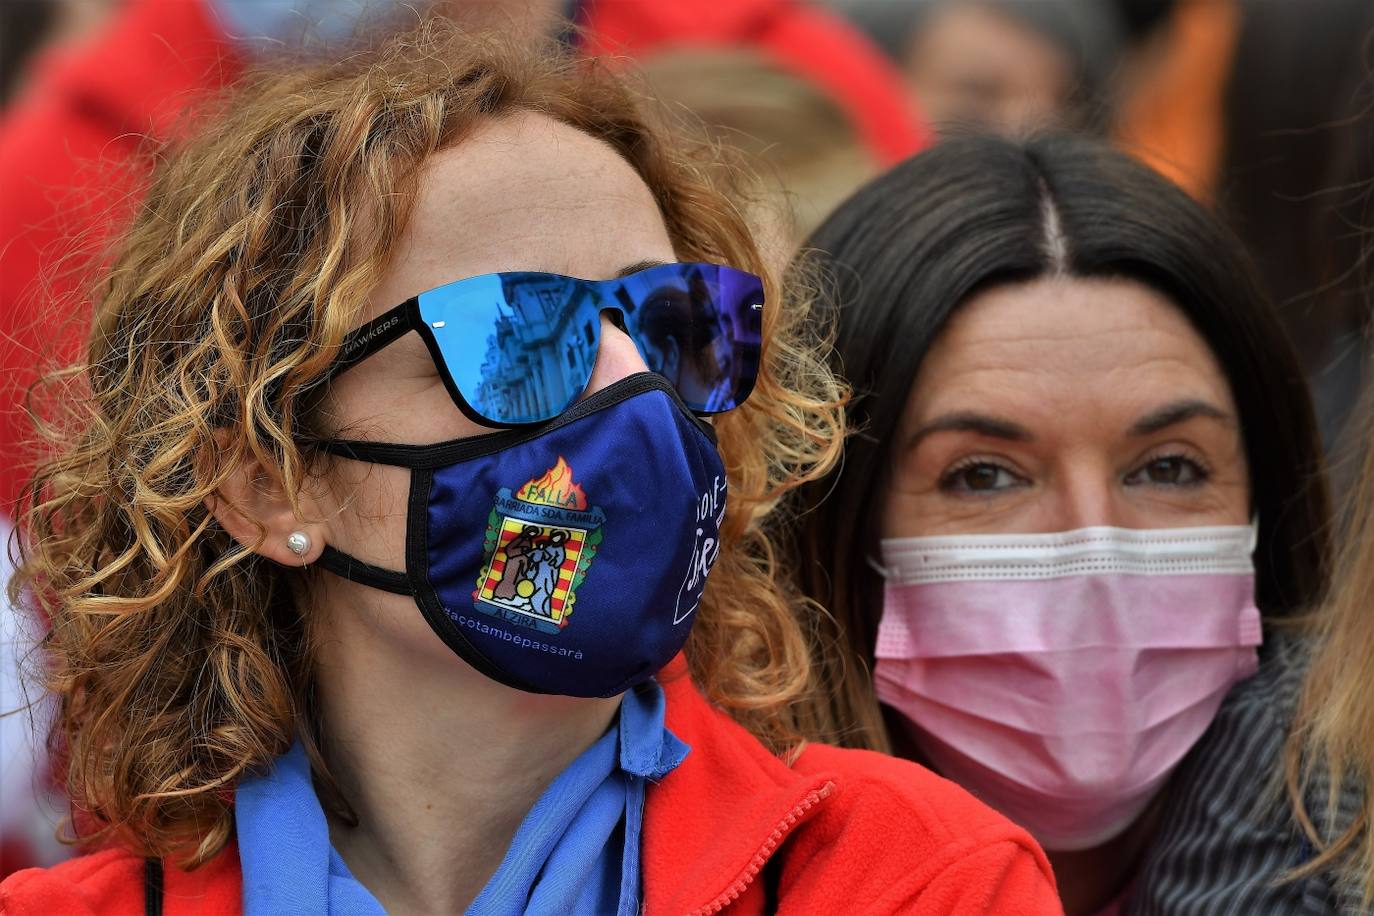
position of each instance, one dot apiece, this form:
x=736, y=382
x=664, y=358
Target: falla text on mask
x=705, y=549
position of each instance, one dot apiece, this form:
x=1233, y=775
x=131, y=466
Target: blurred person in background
x=1086, y=463
x=1255, y=107
x=1171, y=90
x=86, y=82
x=302, y=359
x=28, y=27
x=1294, y=180
x=1004, y=65
x=24, y=26
x=812, y=105
x=1152, y=73
x=802, y=38
x=801, y=151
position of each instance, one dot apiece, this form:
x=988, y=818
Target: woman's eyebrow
x=1177, y=412
x=967, y=421
x=636, y=268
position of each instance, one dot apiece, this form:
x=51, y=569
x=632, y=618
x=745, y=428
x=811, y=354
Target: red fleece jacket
x=842, y=832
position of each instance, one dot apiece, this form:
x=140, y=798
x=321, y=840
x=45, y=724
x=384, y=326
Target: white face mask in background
x=1061, y=677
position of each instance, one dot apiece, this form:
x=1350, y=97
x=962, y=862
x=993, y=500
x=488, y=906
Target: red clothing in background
x=810, y=41
x=69, y=169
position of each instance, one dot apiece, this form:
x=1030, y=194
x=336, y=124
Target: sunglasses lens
x=518, y=346
x=700, y=326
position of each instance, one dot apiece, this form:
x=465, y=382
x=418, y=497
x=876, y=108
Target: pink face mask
x=1062, y=677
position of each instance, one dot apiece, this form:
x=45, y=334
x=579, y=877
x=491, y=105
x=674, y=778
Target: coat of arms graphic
x=539, y=544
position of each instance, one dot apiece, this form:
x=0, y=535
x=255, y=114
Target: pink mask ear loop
x=879, y=568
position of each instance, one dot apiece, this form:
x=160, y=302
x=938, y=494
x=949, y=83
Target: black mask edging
x=427, y=597
x=455, y=451
x=414, y=583
x=422, y=460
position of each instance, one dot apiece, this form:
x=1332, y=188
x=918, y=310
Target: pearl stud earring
x=298, y=542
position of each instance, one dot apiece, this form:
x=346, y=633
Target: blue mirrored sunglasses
x=518, y=347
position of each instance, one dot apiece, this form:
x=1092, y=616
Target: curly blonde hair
x=180, y=658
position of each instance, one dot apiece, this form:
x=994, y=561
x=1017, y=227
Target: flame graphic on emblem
x=555, y=488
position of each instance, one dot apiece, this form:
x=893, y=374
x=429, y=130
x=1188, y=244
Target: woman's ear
x=253, y=507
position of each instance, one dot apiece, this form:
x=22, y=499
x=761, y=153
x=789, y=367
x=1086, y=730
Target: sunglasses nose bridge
x=617, y=355
x=614, y=313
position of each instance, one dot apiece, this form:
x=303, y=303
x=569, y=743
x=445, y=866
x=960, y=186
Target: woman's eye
x=1171, y=471
x=980, y=477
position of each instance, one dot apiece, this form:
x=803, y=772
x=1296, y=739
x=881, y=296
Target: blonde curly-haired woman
x=376, y=532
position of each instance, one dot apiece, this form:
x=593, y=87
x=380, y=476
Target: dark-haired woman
x=1087, y=464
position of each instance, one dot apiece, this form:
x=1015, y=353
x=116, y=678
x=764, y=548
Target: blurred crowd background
x=1262, y=109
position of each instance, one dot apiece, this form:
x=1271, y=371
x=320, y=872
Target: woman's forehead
x=1069, y=343
x=524, y=192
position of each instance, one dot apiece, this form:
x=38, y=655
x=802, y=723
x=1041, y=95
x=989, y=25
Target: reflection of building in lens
x=542, y=352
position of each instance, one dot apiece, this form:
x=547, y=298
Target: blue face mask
x=567, y=558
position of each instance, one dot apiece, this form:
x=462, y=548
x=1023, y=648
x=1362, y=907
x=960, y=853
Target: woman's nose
x=1087, y=499
x=616, y=357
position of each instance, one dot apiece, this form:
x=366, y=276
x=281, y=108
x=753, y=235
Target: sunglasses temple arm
x=381, y=331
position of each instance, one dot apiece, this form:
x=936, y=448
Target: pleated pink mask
x=1062, y=677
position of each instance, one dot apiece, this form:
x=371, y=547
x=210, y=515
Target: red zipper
x=732, y=893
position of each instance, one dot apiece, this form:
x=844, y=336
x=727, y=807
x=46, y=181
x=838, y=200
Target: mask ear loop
x=879, y=568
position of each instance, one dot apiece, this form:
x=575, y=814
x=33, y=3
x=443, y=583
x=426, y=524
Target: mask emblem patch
x=539, y=544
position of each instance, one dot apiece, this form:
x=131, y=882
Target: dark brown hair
x=974, y=212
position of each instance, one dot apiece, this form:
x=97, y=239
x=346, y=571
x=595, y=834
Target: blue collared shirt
x=576, y=852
